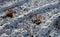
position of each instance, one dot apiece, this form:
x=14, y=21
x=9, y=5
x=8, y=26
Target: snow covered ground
x=21, y=24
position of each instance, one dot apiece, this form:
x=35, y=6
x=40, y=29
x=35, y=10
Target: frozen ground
x=22, y=26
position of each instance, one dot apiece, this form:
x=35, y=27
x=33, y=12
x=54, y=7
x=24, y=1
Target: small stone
x=36, y=19
x=9, y=13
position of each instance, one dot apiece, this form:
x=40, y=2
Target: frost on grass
x=21, y=24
